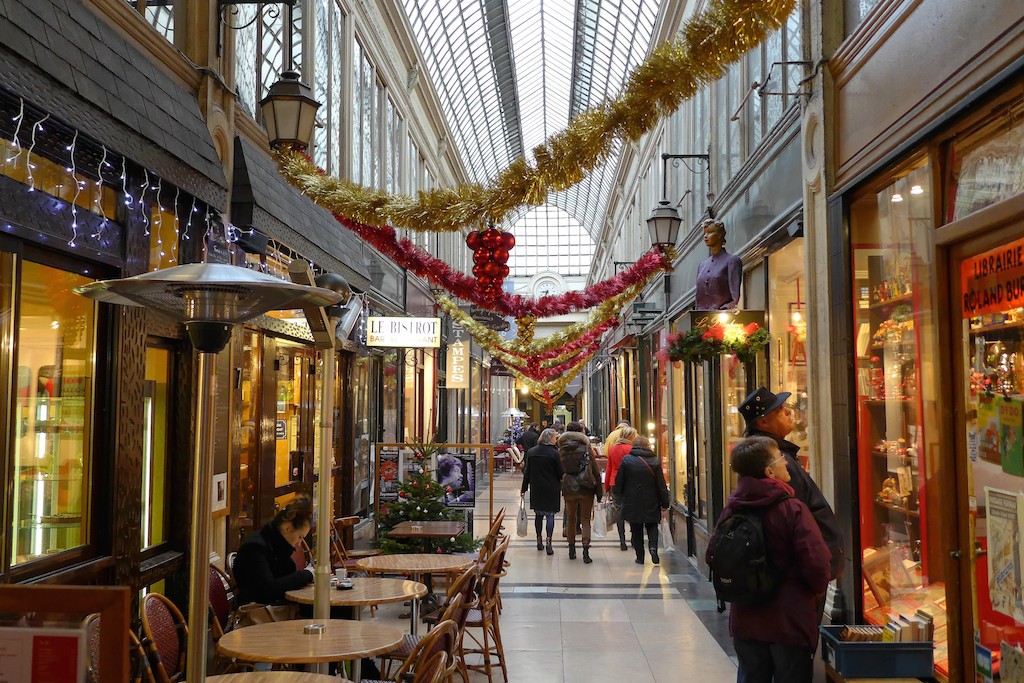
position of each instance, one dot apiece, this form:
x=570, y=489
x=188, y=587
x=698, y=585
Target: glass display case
x=894, y=343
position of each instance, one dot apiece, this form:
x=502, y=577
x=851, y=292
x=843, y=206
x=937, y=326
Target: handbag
x=586, y=475
x=256, y=613
x=612, y=511
x=521, y=521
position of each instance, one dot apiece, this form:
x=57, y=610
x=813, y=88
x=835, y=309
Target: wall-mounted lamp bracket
x=273, y=11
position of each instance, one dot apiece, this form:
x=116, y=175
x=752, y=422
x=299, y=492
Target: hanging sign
x=409, y=333
x=993, y=281
x=458, y=365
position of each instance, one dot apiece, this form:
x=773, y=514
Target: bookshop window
x=52, y=427
x=993, y=359
x=986, y=164
x=900, y=514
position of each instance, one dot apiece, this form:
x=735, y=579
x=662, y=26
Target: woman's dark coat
x=264, y=569
x=795, y=545
x=572, y=447
x=542, y=475
x=640, y=485
x=528, y=440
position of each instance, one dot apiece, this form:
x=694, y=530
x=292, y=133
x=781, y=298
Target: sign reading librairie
x=993, y=281
x=418, y=333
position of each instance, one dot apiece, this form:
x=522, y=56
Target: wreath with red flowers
x=702, y=344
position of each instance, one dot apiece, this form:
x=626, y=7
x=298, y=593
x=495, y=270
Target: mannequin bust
x=719, y=275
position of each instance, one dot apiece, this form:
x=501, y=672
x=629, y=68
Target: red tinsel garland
x=585, y=340
x=539, y=374
x=406, y=254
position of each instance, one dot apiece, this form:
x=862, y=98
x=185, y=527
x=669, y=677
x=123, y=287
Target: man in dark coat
x=768, y=415
x=528, y=439
x=640, y=485
x=542, y=474
x=775, y=641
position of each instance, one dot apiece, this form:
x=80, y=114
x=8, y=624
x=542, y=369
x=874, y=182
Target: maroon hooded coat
x=795, y=545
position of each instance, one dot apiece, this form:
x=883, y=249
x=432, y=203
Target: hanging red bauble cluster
x=491, y=249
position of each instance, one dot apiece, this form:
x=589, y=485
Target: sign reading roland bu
x=419, y=333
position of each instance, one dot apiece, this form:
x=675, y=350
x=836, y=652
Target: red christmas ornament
x=481, y=256
x=492, y=269
x=508, y=240
x=500, y=255
x=478, y=271
x=491, y=239
x=473, y=240
x=504, y=270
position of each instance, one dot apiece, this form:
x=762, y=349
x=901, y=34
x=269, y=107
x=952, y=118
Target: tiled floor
x=613, y=620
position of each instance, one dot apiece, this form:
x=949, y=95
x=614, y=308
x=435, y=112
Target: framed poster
x=885, y=574
x=220, y=494
x=456, y=473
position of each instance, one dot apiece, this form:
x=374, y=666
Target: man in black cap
x=768, y=415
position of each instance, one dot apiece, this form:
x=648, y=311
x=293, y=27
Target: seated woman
x=264, y=569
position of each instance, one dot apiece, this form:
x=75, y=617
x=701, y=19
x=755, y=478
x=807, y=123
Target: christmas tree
x=420, y=498
x=517, y=429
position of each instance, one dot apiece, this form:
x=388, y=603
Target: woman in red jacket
x=775, y=641
x=616, y=453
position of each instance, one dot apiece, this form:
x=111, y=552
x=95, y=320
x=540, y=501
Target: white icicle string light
x=99, y=192
x=158, y=224
x=37, y=126
x=78, y=189
x=188, y=224
x=17, y=130
x=142, y=201
x=128, y=199
x=177, y=225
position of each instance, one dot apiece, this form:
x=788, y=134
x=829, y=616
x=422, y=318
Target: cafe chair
x=443, y=638
x=457, y=612
x=141, y=671
x=466, y=585
x=165, y=638
x=223, y=616
x=434, y=670
x=485, y=616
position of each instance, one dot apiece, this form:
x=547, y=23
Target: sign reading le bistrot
x=993, y=281
x=418, y=333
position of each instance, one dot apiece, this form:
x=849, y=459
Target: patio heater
x=210, y=299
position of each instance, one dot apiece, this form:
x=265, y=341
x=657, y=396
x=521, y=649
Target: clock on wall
x=548, y=285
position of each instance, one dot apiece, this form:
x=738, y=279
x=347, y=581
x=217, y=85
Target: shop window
x=390, y=397
x=986, y=165
x=894, y=331
x=57, y=179
x=156, y=415
x=679, y=425
x=363, y=369
x=787, y=322
x=52, y=426
x=248, y=436
x=854, y=12
x=163, y=230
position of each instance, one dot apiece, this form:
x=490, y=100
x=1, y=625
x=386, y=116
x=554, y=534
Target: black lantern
x=664, y=224
x=289, y=112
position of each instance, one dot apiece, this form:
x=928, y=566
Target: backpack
x=582, y=480
x=741, y=570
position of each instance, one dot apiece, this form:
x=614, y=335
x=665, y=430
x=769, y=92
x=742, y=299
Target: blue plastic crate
x=876, y=660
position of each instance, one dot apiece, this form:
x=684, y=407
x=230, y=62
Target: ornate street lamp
x=289, y=111
x=210, y=299
x=664, y=225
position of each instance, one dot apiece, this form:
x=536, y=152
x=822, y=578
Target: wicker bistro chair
x=434, y=670
x=142, y=672
x=457, y=612
x=442, y=638
x=165, y=638
x=485, y=616
x=223, y=616
x=466, y=584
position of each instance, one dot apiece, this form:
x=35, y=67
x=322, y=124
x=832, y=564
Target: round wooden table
x=415, y=565
x=283, y=642
x=365, y=591
x=275, y=677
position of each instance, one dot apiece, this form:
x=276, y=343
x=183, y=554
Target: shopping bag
x=665, y=536
x=611, y=514
x=521, y=521
x=597, y=526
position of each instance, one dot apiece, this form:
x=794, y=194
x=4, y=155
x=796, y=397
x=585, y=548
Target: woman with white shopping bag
x=640, y=484
x=542, y=474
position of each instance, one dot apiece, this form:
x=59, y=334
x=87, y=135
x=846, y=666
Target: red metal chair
x=166, y=638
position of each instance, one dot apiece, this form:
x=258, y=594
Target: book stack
x=919, y=627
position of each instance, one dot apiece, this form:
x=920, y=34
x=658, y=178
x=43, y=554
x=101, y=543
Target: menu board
x=42, y=655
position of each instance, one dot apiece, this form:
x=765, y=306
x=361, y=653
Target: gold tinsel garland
x=675, y=71
x=554, y=388
x=491, y=340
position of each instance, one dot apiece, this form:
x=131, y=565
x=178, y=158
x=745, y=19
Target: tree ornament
x=473, y=240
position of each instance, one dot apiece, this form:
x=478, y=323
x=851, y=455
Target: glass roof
x=510, y=73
